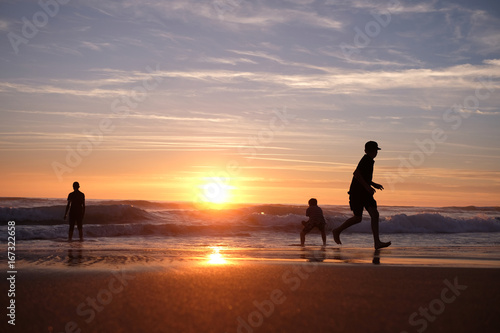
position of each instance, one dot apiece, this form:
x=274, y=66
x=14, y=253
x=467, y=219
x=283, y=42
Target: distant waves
x=120, y=219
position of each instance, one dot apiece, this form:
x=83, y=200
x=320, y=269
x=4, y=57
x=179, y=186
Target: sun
x=215, y=192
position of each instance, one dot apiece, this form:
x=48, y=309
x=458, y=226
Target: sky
x=250, y=101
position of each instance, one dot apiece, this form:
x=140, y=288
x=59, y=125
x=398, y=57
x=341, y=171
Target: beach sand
x=257, y=296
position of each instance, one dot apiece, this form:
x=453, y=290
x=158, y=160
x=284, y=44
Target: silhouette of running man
x=76, y=208
x=361, y=196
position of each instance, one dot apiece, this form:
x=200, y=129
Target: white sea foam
x=144, y=218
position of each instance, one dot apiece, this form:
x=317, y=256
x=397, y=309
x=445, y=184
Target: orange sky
x=115, y=175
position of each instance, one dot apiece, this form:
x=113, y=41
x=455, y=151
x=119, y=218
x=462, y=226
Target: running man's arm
x=360, y=179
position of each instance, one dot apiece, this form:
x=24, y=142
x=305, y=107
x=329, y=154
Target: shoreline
x=257, y=296
x=67, y=255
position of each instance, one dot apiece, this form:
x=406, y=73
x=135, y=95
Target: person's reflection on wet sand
x=337, y=254
x=376, y=257
x=75, y=257
x=313, y=255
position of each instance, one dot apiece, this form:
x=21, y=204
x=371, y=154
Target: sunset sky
x=269, y=100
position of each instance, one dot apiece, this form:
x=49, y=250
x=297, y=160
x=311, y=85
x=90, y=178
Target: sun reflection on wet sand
x=216, y=258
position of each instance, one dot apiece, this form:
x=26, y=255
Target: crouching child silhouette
x=316, y=219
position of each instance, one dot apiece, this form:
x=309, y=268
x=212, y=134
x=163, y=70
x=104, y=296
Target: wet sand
x=257, y=296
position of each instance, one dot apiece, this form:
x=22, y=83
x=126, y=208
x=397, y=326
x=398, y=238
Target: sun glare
x=215, y=192
x=216, y=258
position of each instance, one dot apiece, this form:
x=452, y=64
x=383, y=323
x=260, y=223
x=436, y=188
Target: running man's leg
x=374, y=215
x=356, y=205
x=350, y=222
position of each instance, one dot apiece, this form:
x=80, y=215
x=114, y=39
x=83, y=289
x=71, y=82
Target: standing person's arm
x=67, y=209
x=83, y=206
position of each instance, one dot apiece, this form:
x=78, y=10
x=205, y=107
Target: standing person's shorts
x=310, y=225
x=78, y=219
x=358, y=202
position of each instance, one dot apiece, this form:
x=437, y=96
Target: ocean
x=150, y=232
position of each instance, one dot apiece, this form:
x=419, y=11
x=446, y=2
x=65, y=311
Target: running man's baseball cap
x=371, y=145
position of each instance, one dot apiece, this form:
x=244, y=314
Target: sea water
x=129, y=230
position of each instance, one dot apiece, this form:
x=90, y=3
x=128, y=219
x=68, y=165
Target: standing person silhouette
x=76, y=208
x=361, y=196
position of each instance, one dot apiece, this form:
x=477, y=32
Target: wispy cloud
x=343, y=82
x=51, y=89
x=4, y=25
x=228, y=61
x=95, y=46
x=141, y=116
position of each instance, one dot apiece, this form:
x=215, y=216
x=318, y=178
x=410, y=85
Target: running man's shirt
x=365, y=168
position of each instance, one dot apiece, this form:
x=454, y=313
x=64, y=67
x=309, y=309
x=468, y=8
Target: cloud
x=336, y=80
x=55, y=49
x=4, y=25
x=279, y=60
x=484, y=32
x=301, y=2
x=380, y=60
x=34, y=88
x=228, y=61
x=96, y=46
x=401, y=7
x=256, y=14
x=276, y=159
x=482, y=113
x=394, y=6
x=137, y=116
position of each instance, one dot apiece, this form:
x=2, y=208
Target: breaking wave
x=144, y=218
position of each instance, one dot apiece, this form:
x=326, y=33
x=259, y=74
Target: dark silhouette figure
x=316, y=219
x=76, y=208
x=361, y=196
